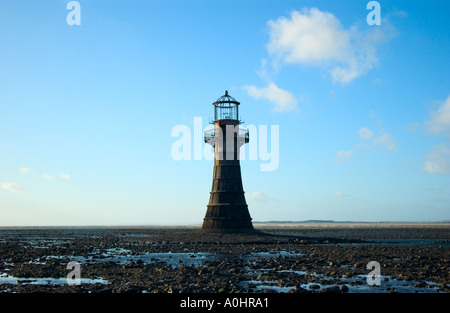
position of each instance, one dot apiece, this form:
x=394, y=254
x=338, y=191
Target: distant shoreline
x=309, y=225
x=257, y=225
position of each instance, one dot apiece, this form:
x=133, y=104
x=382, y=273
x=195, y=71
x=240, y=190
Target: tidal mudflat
x=412, y=258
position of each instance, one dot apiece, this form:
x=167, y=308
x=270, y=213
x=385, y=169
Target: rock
x=344, y=288
x=391, y=289
x=129, y=290
x=104, y=290
x=421, y=284
x=314, y=286
x=186, y=290
x=267, y=290
x=332, y=289
x=297, y=289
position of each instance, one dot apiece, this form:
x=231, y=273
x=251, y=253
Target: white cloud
x=397, y=12
x=258, y=196
x=64, y=175
x=308, y=36
x=13, y=187
x=345, y=75
x=385, y=140
x=339, y=194
x=283, y=100
x=440, y=120
x=24, y=170
x=48, y=176
x=342, y=156
x=365, y=133
x=438, y=160
x=317, y=38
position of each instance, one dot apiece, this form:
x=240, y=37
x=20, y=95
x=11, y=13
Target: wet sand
x=302, y=258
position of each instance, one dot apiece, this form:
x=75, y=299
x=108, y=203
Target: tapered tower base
x=216, y=220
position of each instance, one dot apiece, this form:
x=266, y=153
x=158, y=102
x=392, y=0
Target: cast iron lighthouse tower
x=227, y=208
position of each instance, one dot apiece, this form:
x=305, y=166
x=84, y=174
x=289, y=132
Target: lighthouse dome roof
x=226, y=101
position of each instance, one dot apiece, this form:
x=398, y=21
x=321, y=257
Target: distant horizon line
x=198, y=225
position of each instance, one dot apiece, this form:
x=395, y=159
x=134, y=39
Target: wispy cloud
x=24, y=170
x=438, y=160
x=342, y=156
x=13, y=187
x=64, y=175
x=282, y=99
x=316, y=38
x=339, y=194
x=413, y=126
x=365, y=133
x=384, y=140
x=439, y=122
x=258, y=196
x=48, y=176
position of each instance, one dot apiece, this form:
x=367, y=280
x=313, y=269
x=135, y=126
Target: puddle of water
x=136, y=235
x=401, y=242
x=259, y=286
x=275, y=253
x=12, y=280
x=414, y=242
x=123, y=256
x=176, y=259
x=357, y=284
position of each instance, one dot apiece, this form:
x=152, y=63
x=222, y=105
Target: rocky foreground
x=188, y=261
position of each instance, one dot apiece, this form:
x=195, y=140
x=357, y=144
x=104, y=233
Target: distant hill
x=332, y=221
x=309, y=221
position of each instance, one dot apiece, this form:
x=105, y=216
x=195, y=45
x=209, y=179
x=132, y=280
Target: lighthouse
x=227, y=209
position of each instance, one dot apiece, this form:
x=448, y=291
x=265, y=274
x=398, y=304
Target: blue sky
x=87, y=111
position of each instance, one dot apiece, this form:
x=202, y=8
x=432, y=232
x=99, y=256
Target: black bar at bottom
x=199, y=302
